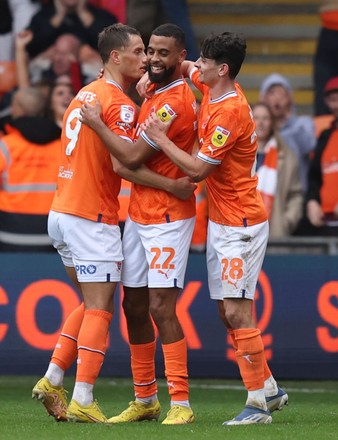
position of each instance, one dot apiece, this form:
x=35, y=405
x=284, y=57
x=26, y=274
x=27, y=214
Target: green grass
x=311, y=414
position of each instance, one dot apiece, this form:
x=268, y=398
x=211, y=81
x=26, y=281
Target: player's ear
x=223, y=69
x=183, y=56
x=115, y=56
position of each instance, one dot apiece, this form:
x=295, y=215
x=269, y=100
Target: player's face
x=164, y=58
x=332, y=102
x=263, y=122
x=208, y=71
x=133, y=59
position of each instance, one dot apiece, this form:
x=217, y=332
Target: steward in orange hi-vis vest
x=28, y=170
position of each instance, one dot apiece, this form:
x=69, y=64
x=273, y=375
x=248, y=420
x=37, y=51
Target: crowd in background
x=48, y=52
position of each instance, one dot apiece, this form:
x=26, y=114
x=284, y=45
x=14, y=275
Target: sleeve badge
x=219, y=136
x=166, y=113
x=127, y=113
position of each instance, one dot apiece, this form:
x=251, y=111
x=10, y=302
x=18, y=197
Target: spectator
x=59, y=17
x=64, y=61
x=59, y=99
x=278, y=176
x=15, y=16
x=145, y=15
x=298, y=132
x=325, y=60
x=322, y=195
x=28, y=170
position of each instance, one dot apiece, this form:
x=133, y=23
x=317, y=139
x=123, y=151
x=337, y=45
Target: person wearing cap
x=325, y=63
x=322, y=195
x=298, y=132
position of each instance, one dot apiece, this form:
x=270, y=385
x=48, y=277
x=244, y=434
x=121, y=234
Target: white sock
x=270, y=387
x=55, y=374
x=83, y=393
x=147, y=400
x=184, y=403
x=257, y=398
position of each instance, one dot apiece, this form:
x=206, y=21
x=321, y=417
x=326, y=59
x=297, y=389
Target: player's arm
x=193, y=167
x=132, y=155
x=182, y=187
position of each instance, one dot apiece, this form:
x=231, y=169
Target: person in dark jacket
x=60, y=17
x=322, y=195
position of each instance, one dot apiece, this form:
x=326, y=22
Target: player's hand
x=100, y=74
x=143, y=85
x=91, y=115
x=154, y=128
x=315, y=213
x=183, y=188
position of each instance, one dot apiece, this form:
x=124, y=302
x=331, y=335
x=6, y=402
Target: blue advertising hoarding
x=296, y=309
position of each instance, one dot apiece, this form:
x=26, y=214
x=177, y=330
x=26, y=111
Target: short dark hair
x=228, y=48
x=114, y=37
x=171, y=30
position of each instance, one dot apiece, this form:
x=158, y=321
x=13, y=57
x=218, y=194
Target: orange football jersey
x=150, y=205
x=227, y=138
x=87, y=185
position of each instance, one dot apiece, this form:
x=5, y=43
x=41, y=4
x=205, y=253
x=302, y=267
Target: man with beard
x=83, y=225
x=157, y=235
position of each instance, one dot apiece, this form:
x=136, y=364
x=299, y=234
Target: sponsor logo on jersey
x=127, y=113
x=219, y=136
x=166, y=113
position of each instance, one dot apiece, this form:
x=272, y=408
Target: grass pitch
x=312, y=413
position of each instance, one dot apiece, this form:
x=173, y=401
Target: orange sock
x=143, y=368
x=92, y=344
x=65, y=351
x=250, y=357
x=176, y=370
x=267, y=371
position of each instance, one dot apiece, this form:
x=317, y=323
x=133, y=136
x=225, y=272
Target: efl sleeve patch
x=166, y=113
x=219, y=136
x=127, y=113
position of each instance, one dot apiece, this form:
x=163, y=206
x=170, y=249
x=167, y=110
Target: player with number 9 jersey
x=87, y=186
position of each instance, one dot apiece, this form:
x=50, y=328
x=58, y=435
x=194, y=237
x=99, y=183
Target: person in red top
x=157, y=235
x=83, y=224
x=238, y=226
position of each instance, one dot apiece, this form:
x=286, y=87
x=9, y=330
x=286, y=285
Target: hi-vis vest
x=28, y=175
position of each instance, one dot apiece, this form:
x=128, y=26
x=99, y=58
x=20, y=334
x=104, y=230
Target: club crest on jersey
x=127, y=113
x=166, y=113
x=219, y=136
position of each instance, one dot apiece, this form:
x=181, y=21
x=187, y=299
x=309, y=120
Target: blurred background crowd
x=48, y=52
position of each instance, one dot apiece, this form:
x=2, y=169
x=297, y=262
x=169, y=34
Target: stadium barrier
x=296, y=310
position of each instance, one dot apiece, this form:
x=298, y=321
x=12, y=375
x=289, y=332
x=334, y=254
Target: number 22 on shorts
x=167, y=264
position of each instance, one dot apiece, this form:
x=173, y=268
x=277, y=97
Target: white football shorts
x=234, y=259
x=156, y=255
x=93, y=249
